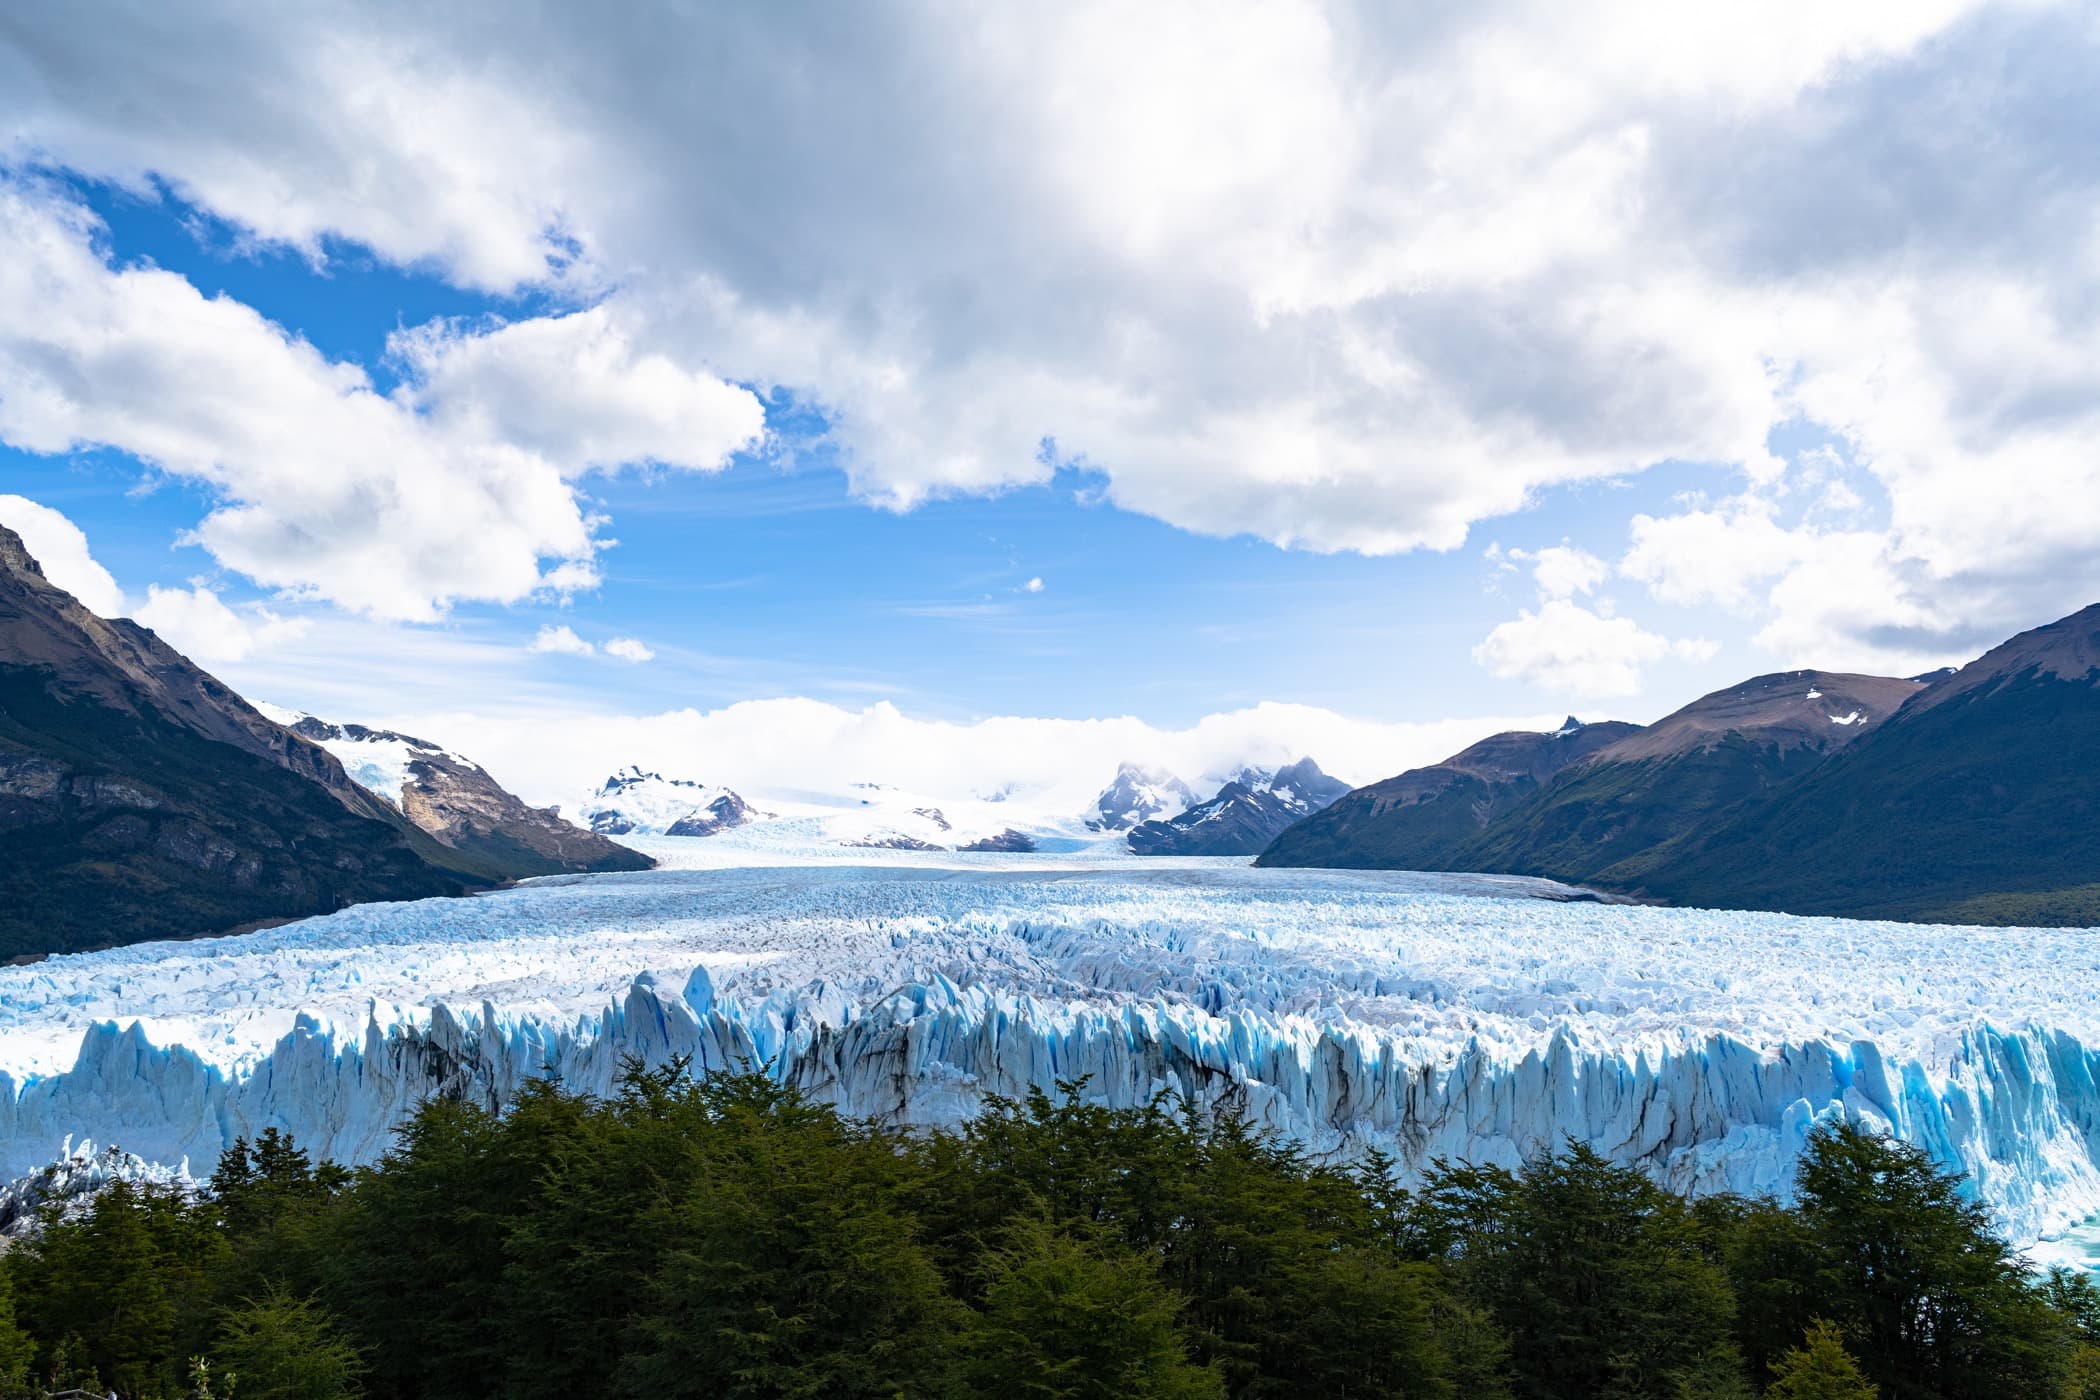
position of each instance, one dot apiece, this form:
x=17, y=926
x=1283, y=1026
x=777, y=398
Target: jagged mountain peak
x=15, y=556
x=636, y=800
x=1139, y=794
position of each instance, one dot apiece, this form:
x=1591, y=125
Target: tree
x=1603, y=1280
x=1071, y=1319
x=1819, y=1369
x=279, y=1347
x=789, y=1265
x=1933, y=1301
x=17, y=1348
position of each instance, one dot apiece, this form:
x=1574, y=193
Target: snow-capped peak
x=638, y=800
x=1139, y=795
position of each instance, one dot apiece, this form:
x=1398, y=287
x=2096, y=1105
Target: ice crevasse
x=1429, y=1021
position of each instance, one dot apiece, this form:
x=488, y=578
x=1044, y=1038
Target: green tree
x=1605, y=1283
x=1819, y=1369
x=125, y=1283
x=1933, y=1301
x=789, y=1265
x=1071, y=1319
x=279, y=1347
x=17, y=1348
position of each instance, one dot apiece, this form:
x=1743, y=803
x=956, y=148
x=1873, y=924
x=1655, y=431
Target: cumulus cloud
x=1034, y=585
x=1337, y=276
x=561, y=641
x=458, y=487
x=1567, y=648
x=629, y=649
x=197, y=622
x=1059, y=765
x=61, y=550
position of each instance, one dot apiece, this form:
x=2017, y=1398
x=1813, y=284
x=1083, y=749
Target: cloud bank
x=1338, y=276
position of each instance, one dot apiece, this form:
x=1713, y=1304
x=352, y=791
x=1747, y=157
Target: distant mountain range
x=634, y=800
x=1138, y=795
x=142, y=798
x=1244, y=816
x=1963, y=796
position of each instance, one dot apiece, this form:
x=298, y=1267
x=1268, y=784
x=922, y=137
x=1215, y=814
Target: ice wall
x=2016, y=1107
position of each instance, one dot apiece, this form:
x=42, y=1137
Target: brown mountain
x=1598, y=804
x=1975, y=803
x=141, y=798
x=459, y=805
x=1617, y=815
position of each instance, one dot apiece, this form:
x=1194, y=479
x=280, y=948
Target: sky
x=1351, y=370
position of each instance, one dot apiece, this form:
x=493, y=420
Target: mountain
x=1139, y=795
x=1600, y=804
x=456, y=802
x=1423, y=818
x=1247, y=813
x=1619, y=814
x=141, y=798
x=1976, y=802
x=633, y=800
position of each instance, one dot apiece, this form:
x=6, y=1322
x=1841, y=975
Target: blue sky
x=770, y=578
x=997, y=365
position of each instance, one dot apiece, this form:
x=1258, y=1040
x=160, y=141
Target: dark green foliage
x=1606, y=1284
x=1819, y=1369
x=1067, y=1317
x=279, y=1347
x=1931, y=1301
x=730, y=1237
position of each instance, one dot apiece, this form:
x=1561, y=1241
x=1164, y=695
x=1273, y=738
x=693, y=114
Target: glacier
x=1461, y=1017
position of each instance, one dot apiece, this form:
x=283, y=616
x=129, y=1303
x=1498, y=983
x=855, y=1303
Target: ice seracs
x=1467, y=1017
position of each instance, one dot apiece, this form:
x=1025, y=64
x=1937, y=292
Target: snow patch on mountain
x=378, y=760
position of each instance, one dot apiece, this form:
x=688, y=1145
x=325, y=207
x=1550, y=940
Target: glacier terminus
x=1431, y=1016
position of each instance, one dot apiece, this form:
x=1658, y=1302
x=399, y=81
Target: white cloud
x=61, y=550
x=1059, y=765
x=458, y=488
x=561, y=641
x=629, y=649
x=198, y=623
x=1560, y=571
x=575, y=391
x=1566, y=648
x=1034, y=585
x=1339, y=277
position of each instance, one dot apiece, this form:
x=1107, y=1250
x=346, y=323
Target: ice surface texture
x=1456, y=1016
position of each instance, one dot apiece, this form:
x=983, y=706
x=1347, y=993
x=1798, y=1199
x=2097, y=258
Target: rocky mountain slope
x=1620, y=813
x=458, y=804
x=1964, y=796
x=1977, y=802
x=1244, y=816
x=1423, y=818
x=141, y=798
